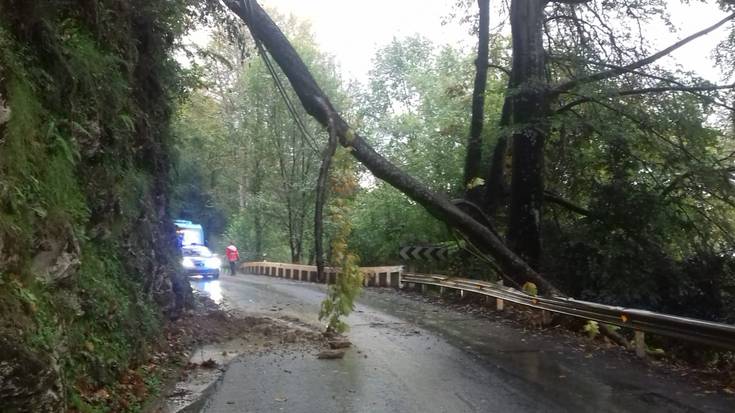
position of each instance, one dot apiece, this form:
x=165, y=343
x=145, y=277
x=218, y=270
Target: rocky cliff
x=87, y=254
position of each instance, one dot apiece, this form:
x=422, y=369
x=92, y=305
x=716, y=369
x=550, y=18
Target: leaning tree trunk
x=530, y=108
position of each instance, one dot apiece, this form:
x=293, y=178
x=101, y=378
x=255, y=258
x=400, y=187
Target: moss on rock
x=87, y=249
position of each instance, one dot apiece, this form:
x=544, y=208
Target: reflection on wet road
x=212, y=288
x=411, y=356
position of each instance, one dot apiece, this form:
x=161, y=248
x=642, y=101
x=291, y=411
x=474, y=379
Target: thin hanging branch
x=321, y=196
x=317, y=104
x=287, y=100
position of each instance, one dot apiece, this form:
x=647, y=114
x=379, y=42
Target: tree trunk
x=473, y=160
x=258, y=214
x=241, y=188
x=530, y=108
x=321, y=198
x=495, y=187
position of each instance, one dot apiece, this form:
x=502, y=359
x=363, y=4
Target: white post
x=640, y=344
x=499, y=304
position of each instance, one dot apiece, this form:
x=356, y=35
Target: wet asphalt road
x=413, y=356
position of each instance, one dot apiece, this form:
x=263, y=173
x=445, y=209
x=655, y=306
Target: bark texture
x=530, y=107
x=495, y=186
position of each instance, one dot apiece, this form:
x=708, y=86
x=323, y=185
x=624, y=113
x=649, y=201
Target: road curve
x=413, y=356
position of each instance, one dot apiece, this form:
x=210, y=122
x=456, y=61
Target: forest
x=605, y=170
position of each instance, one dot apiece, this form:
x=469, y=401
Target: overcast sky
x=353, y=30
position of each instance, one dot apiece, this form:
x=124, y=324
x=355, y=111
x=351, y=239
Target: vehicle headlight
x=187, y=263
x=213, y=262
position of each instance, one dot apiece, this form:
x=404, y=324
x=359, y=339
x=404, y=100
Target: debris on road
x=338, y=344
x=222, y=336
x=331, y=354
x=209, y=364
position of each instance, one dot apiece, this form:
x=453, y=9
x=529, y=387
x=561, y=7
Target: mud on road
x=208, y=339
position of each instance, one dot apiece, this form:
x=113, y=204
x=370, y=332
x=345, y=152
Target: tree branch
x=555, y=199
x=571, y=2
x=314, y=101
x=568, y=85
x=321, y=195
x=642, y=124
x=670, y=80
x=660, y=89
x=501, y=68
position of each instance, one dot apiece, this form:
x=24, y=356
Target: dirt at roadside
x=710, y=372
x=197, y=348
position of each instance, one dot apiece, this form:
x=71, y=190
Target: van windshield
x=196, y=251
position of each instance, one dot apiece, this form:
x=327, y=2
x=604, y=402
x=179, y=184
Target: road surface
x=412, y=356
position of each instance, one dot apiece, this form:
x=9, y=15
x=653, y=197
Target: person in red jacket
x=232, y=257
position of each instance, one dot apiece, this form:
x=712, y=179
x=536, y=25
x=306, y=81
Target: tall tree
x=530, y=108
x=473, y=159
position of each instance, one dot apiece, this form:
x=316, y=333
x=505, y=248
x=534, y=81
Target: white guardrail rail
x=705, y=332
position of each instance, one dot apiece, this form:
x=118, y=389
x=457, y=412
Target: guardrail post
x=499, y=304
x=442, y=291
x=424, y=287
x=545, y=318
x=640, y=344
x=394, y=279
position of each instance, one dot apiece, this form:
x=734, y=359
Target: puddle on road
x=212, y=288
x=206, y=366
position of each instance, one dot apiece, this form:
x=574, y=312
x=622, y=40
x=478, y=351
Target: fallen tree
x=318, y=105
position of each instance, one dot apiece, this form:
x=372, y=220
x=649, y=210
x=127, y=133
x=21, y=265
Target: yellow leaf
x=530, y=288
x=475, y=182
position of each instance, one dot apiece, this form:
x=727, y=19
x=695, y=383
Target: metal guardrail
x=389, y=276
x=690, y=329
